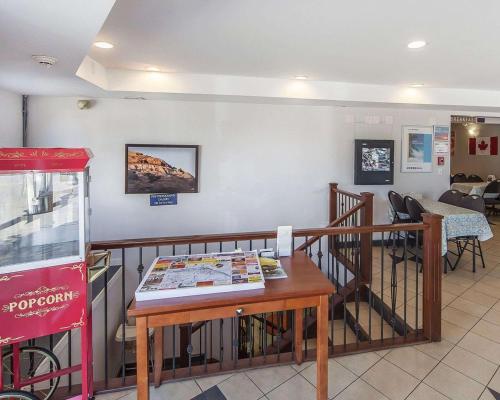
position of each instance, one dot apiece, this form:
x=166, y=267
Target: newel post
x=333, y=202
x=432, y=266
x=366, y=238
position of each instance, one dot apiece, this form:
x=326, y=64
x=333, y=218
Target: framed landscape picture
x=374, y=162
x=161, y=168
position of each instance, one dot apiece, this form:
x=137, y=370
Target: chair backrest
x=415, y=209
x=460, y=177
x=473, y=202
x=474, y=178
x=492, y=188
x=451, y=197
x=397, y=202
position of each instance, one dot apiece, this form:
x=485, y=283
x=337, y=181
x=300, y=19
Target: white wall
x=11, y=126
x=261, y=164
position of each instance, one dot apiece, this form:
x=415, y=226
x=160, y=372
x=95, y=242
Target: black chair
x=415, y=211
x=475, y=203
x=452, y=197
x=491, y=196
x=460, y=177
x=474, y=178
x=400, y=213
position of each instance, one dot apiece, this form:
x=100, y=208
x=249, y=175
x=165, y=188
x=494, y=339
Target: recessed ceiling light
x=104, y=45
x=301, y=77
x=153, y=69
x=417, y=44
x=416, y=84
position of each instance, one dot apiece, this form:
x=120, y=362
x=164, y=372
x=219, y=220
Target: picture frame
x=373, y=162
x=161, y=168
x=417, y=148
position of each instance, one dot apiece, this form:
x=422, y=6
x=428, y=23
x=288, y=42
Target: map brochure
x=272, y=268
x=196, y=274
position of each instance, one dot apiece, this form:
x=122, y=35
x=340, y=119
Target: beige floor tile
x=116, y=395
x=469, y=307
x=360, y=390
x=425, y=392
x=469, y=364
x=359, y=363
x=491, y=280
x=447, y=298
x=400, y=384
x=209, y=381
x=487, y=330
x=435, y=349
x=240, y=387
x=487, y=395
x=495, y=381
x=479, y=297
x=270, y=378
x=459, y=318
x=492, y=316
x=453, y=384
x=452, y=332
x=414, y=362
x=481, y=346
x=184, y=390
x=297, y=388
x=339, y=377
x=452, y=288
x=487, y=290
x=302, y=366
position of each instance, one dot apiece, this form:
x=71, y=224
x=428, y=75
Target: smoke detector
x=46, y=61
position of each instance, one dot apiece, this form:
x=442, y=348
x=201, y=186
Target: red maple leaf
x=483, y=145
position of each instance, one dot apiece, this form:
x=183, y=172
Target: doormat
x=213, y=393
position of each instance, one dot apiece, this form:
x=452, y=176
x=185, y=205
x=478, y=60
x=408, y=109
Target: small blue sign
x=163, y=199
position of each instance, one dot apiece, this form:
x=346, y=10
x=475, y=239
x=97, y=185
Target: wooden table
x=305, y=287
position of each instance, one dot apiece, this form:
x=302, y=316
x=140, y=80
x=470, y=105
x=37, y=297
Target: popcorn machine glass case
x=42, y=219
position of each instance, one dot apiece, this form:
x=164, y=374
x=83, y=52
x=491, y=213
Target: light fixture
x=104, y=45
x=417, y=44
x=416, y=85
x=301, y=77
x=44, y=61
x=153, y=69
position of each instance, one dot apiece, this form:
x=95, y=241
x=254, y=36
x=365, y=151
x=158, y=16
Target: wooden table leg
x=142, y=358
x=299, y=332
x=158, y=356
x=322, y=349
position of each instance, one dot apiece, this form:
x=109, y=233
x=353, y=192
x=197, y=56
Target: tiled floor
x=461, y=366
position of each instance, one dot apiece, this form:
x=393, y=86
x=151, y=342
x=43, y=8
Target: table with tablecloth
x=458, y=221
x=470, y=187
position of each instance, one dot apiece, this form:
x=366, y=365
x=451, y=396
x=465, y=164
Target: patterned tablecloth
x=470, y=187
x=458, y=221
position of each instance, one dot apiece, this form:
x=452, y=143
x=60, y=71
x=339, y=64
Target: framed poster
x=374, y=162
x=416, y=149
x=441, y=140
x=161, y=168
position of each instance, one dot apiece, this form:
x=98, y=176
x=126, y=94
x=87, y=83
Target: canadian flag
x=484, y=146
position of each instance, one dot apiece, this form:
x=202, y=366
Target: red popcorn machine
x=44, y=232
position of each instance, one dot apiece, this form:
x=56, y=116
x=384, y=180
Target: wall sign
x=416, y=149
x=163, y=199
x=374, y=162
x=441, y=139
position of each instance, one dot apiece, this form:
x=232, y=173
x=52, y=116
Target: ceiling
x=361, y=41
x=352, y=51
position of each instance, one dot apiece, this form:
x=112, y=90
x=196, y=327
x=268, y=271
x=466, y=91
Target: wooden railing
x=381, y=300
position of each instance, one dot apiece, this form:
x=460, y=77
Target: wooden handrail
x=233, y=237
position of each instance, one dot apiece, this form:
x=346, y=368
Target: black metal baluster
x=157, y=251
x=345, y=305
x=382, y=290
x=173, y=351
x=405, y=257
x=140, y=267
x=280, y=324
x=220, y=247
x=190, y=348
x=173, y=249
x=205, y=359
x=265, y=336
x=124, y=317
x=320, y=253
x=189, y=248
x=251, y=338
x=221, y=342
x=416, y=274
x=106, y=366
x=394, y=284
x=206, y=247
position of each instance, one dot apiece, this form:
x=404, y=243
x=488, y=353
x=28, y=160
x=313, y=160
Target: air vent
x=46, y=61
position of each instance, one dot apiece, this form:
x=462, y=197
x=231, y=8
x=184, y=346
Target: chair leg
x=474, y=255
x=481, y=253
x=388, y=240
